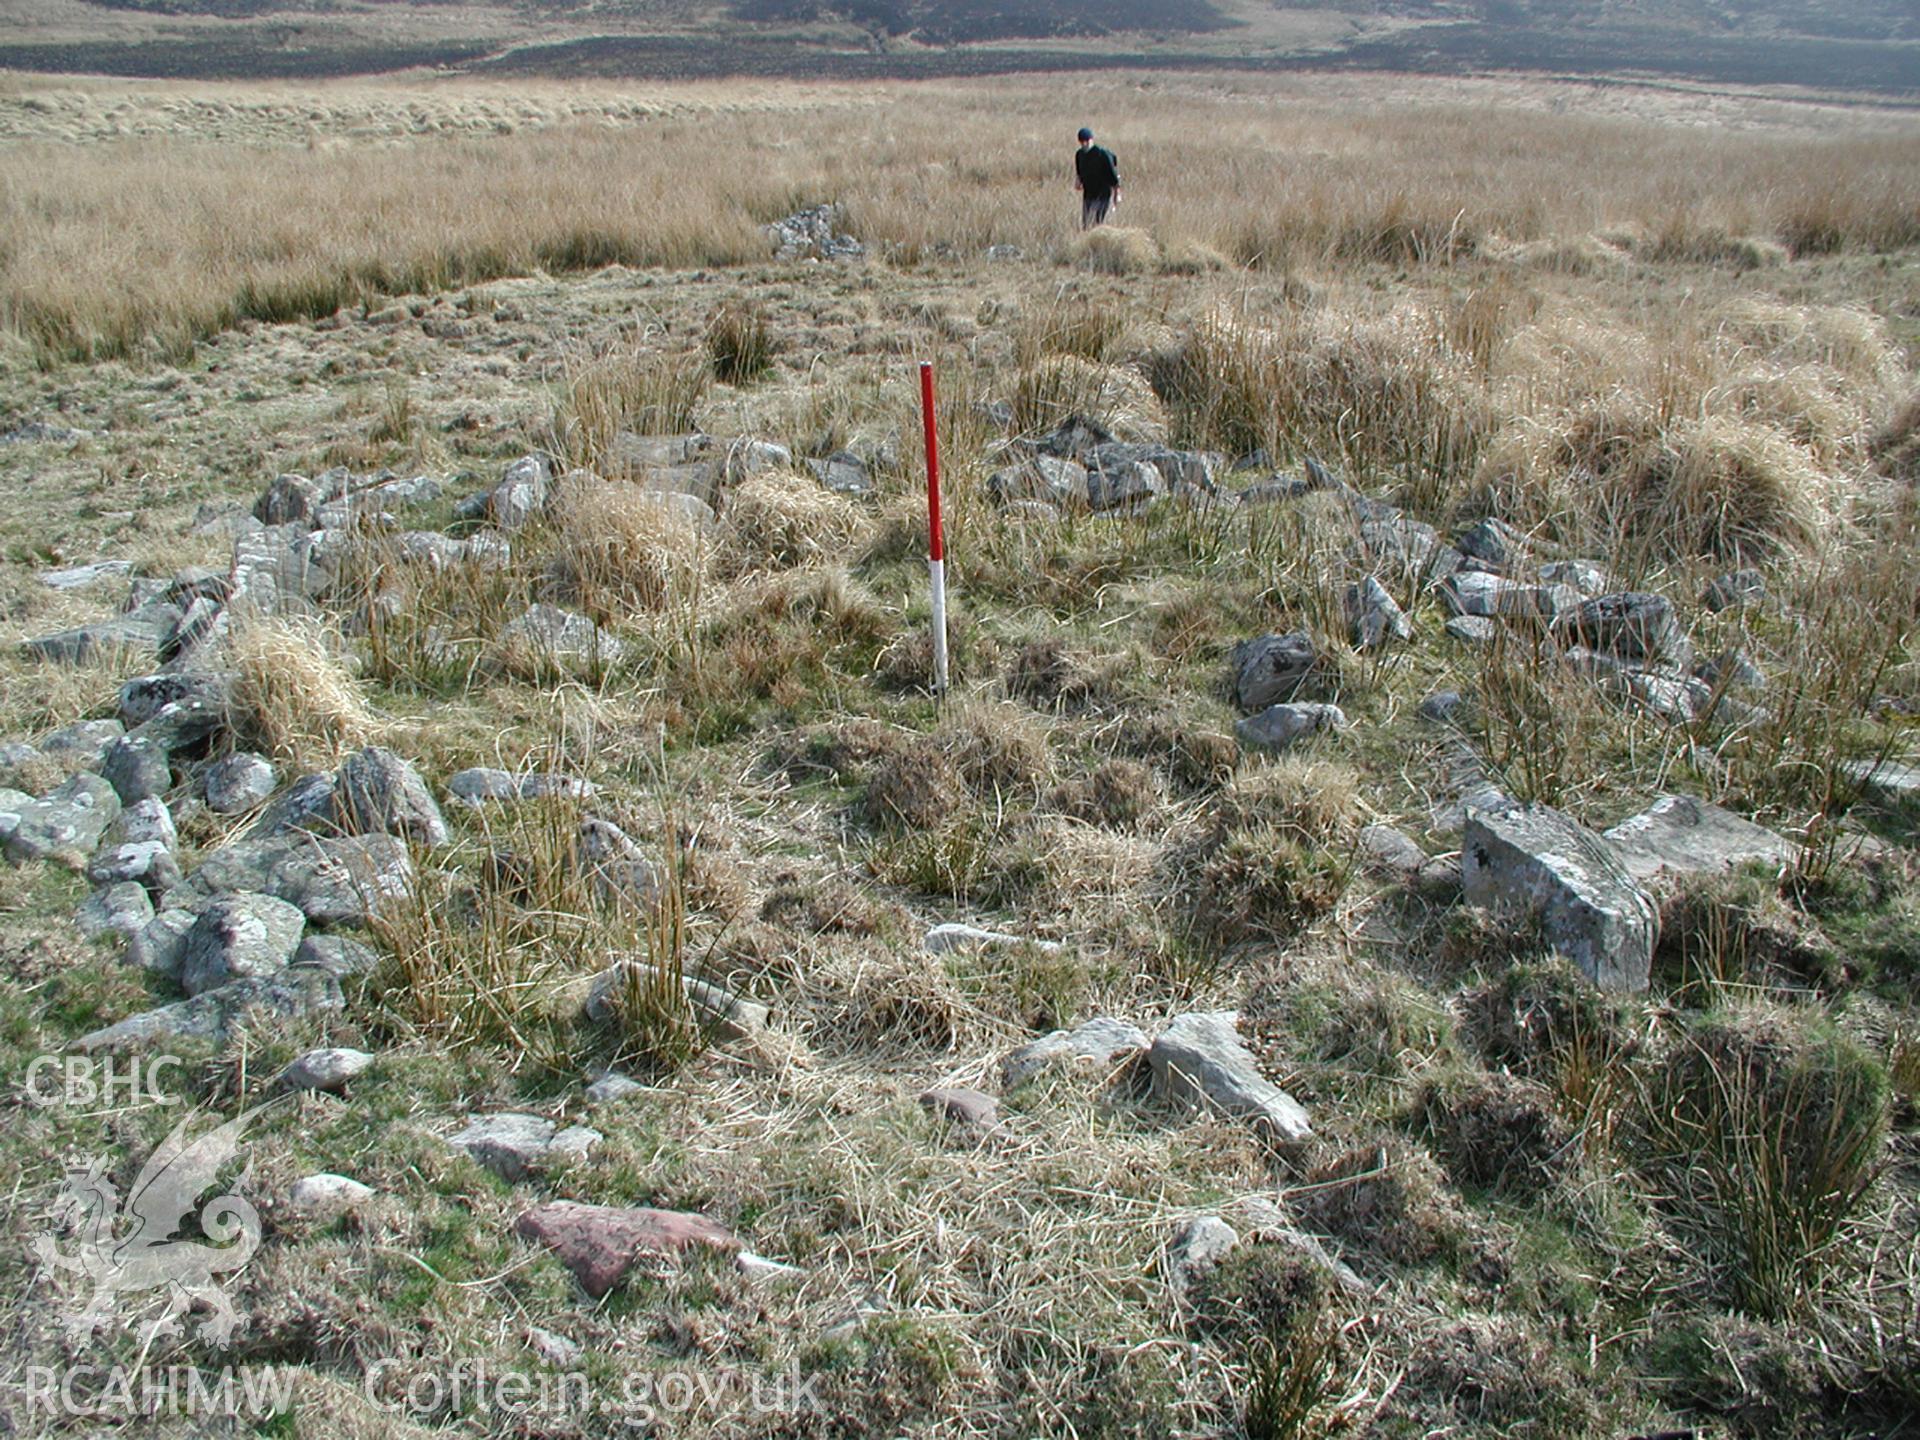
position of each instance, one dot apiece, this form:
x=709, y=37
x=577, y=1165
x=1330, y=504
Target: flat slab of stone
x=1095, y=1043
x=1478, y=592
x=1199, y=1060
x=730, y=1016
x=1534, y=860
x=1679, y=835
x=516, y=1146
x=1280, y=726
x=943, y=938
x=600, y=1243
x=961, y=1105
x=486, y=784
x=1889, y=779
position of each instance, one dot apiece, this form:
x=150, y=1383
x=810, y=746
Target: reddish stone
x=599, y=1243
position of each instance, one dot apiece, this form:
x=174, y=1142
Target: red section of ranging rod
x=936, y=545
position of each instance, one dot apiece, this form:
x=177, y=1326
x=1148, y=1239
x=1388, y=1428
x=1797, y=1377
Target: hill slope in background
x=1868, y=46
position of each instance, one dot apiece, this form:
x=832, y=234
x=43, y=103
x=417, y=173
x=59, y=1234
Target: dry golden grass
x=294, y=698
x=126, y=244
x=618, y=546
x=780, y=519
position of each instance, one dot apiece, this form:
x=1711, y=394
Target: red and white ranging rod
x=936, y=544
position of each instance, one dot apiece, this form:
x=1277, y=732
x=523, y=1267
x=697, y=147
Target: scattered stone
x=209, y=1016
x=83, y=745
x=139, y=846
x=305, y=805
x=123, y=908
x=1443, y=707
x=524, y=489
x=843, y=472
x=239, y=782
x=1094, y=1043
x=377, y=792
x=65, y=825
x=160, y=946
x=1270, y=669
x=516, y=1146
x=1737, y=587
x=759, y=1268
x=484, y=784
x=78, y=577
x=146, y=696
x=600, y=1244
x=611, y=1085
x=1390, y=853
x=1279, y=726
x=1629, y=625
x=1533, y=860
x=339, y=881
x=962, y=1106
x=1731, y=670
x=287, y=499
x=619, y=868
x=810, y=234
x=330, y=1070
x=239, y=936
x=1375, y=616
x=1479, y=592
x=730, y=1016
x=1473, y=629
x=1199, y=1245
x=1439, y=879
x=1492, y=545
x=1415, y=550
x=1122, y=486
x=556, y=1350
x=942, y=938
x=1582, y=575
x=336, y=955
x=1889, y=779
x=323, y=1197
x=140, y=635
x=1199, y=1059
x=547, y=635
x=1045, y=478
x=138, y=768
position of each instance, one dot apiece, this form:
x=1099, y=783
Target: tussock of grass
x=624, y=387
x=620, y=547
x=1772, y=1135
x=293, y=696
x=780, y=519
x=1056, y=388
x=1114, y=250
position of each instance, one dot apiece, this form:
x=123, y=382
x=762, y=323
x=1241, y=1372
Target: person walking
x=1096, y=175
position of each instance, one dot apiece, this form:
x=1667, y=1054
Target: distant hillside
x=943, y=22
x=1863, y=46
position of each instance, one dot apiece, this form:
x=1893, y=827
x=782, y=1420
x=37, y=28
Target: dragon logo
x=129, y=1248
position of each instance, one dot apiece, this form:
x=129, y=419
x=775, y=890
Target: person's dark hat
x=1085, y=134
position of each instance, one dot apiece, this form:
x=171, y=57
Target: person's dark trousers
x=1093, y=210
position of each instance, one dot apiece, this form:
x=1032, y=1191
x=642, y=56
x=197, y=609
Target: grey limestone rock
x=66, y=824
x=1200, y=1060
x=1278, y=726
x=1094, y=1043
x=1535, y=861
x=377, y=792
x=238, y=937
x=1679, y=835
x=209, y=1015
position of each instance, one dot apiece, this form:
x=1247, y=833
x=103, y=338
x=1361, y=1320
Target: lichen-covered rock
x=1279, y=726
x=1679, y=835
x=238, y=937
x=1270, y=669
x=1093, y=1044
x=66, y=824
x=1534, y=861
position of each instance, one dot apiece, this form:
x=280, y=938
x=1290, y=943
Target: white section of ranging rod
x=937, y=571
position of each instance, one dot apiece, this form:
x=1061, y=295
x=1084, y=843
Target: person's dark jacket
x=1099, y=172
